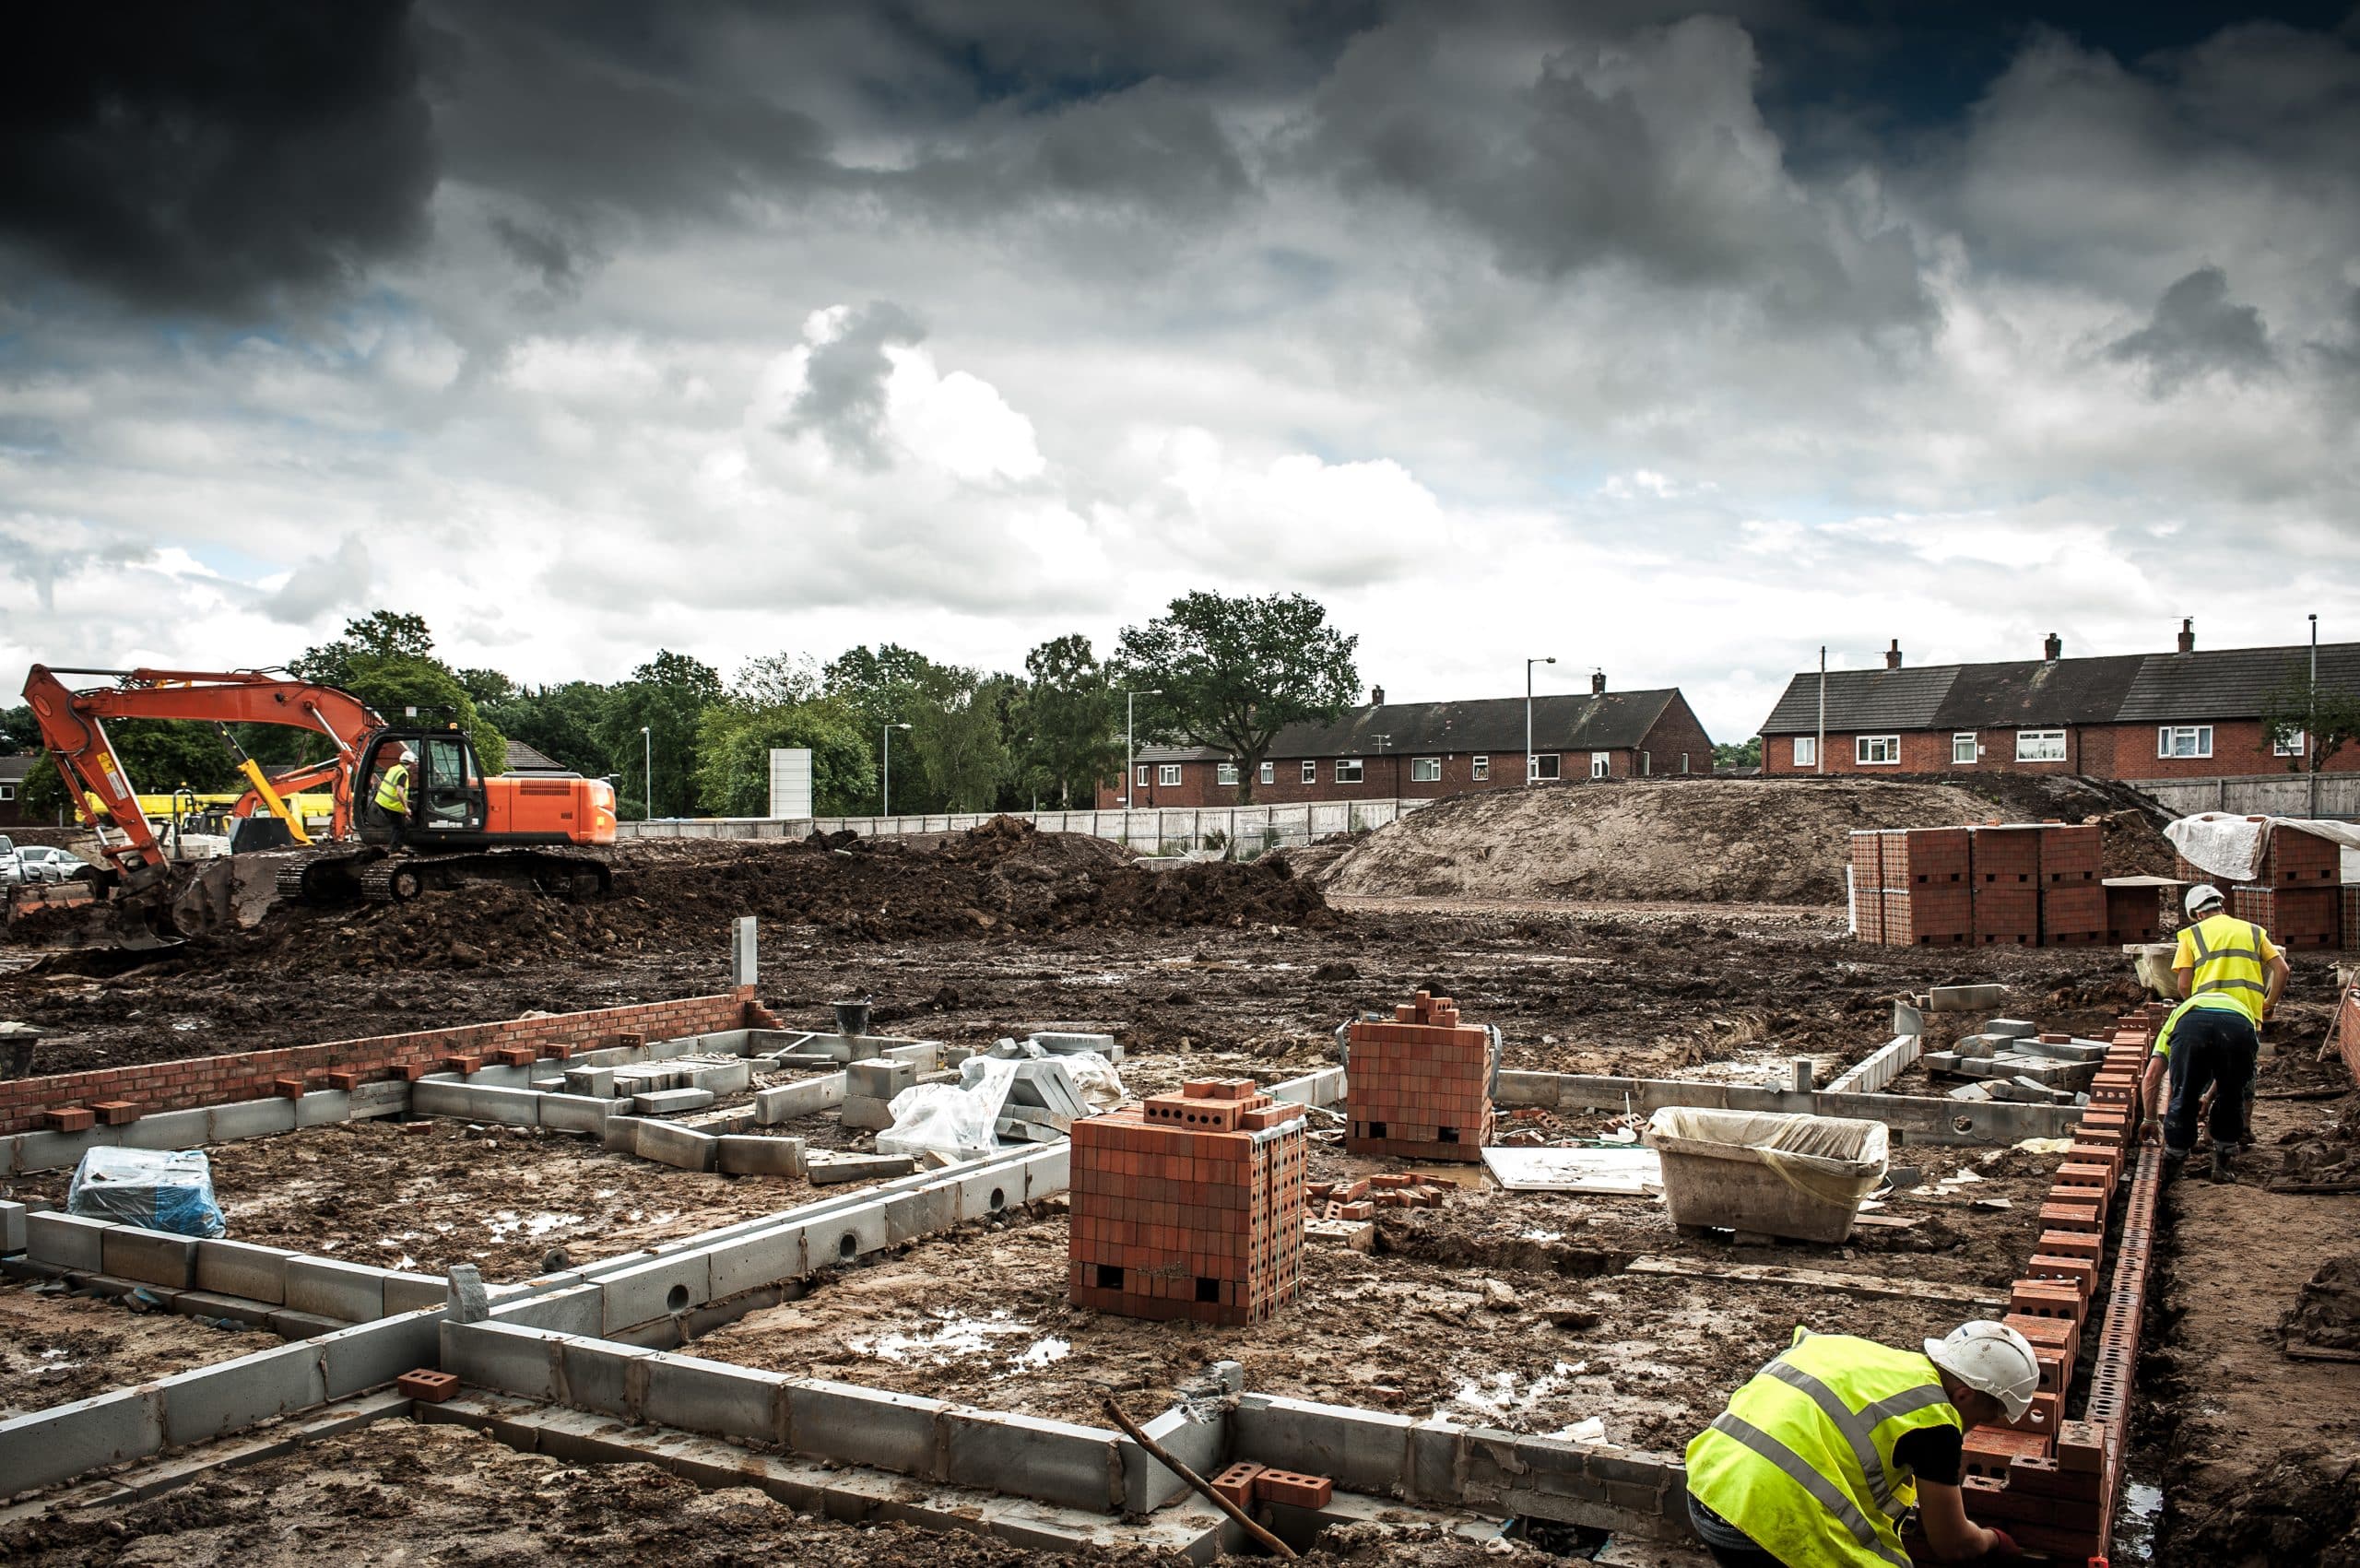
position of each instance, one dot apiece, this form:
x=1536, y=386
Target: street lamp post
x=647, y=769
x=1527, y=712
x=1127, y=748
x=885, y=794
x=2311, y=722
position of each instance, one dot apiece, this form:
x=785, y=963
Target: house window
x=2040, y=746
x=1225, y=773
x=1270, y=772
x=2184, y=740
x=1311, y=773
x=1426, y=769
x=1167, y=774
x=1482, y=768
x=2285, y=746
x=1806, y=752
x=1143, y=773
x=1348, y=770
x=1871, y=749
x=1544, y=765
x=7, y=791
x=1602, y=763
x=1964, y=750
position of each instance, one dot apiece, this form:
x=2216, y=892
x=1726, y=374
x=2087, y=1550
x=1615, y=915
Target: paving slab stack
x=1419, y=1087
x=1189, y=1206
x=2000, y=884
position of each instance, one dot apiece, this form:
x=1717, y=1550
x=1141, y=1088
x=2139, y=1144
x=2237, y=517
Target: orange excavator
x=463, y=828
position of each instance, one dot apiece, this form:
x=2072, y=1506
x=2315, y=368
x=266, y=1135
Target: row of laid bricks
x=70, y=1102
x=2048, y=1481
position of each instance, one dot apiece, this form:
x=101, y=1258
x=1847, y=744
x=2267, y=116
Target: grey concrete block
x=578, y=1113
x=879, y=1080
x=603, y=1376
x=664, y=1050
x=864, y=1113
x=987, y=1192
x=578, y=1309
x=56, y=1445
x=840, y=1168
x=1200, y=1446
x=1071, y=1466
x=864, y=1426
x=65, y=1241
x=289, y=1324
x=666, y=1144
x=349, y=1292
x=12, y=1228
x=61, y=1152
x=323, y=1108
x=1526, y=1089
x=655, y=1289
x=9, y=1156
x=150, y=1257
x=1363, y=1450
x=789, y=1101
x=204, y=1403
x=755, y=1155
x=237, y=1309
x=1432, y=1475
x=2011, y=1028
x=596, y=1083
x=387, y=1097
x=722, y=1077
x=248, y=1118
x=500, y=1075
x=240, y=1269
x=503, y=1357
x=620, y=1135
x=1066, y=1043
x=748, y=1263
x=1048, y=1171
x=712, y=1396
x=167, y=1130
x=855, y=1233
x=439, y=1096
x=671, y=1102
x=929, y=1209
x=414, y=1292
x=729, y=1042
x=515, y=1107
x=371, y=1354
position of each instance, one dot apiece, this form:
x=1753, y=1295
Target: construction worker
x=1820, y=1456
x=2232, y=976
x=393, y=797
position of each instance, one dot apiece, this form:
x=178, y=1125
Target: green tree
x=733, y=743
x=405, y=690
x=957, y=738
x=1746, y=756
x=2323, y=720
x=562, y=722
x=487, y=685
x=893, y=685
x=667, y=697
x=383, y=634
x=1067, y=722
x=1235, y=671
x=19, y=731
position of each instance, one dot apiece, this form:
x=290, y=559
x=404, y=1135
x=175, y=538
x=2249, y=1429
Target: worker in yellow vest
x=2232, y=976
x=1820, y=1456
x=393, y=797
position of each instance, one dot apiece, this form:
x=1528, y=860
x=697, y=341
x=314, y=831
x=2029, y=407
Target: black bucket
x=852, y=1017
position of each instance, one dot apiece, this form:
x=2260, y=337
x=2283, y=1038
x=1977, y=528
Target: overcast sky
x=1673, y=343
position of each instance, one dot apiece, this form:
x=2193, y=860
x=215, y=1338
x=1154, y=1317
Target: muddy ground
x=57, y=1347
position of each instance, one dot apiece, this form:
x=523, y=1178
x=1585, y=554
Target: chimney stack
x=1893, y=655
x=1598, y=683
x=2188, y=634
x=1376, y=696
x=2053, y=649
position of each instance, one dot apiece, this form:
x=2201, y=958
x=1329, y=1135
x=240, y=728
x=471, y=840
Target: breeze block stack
x=1419, y=1087
x=1189, y=1206
x=2001, y=884
x=2048, y=1481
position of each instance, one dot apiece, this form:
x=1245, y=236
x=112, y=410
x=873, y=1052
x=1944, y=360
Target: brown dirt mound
x=1000, y=879
x=2327, y=1313
x=1751, y=840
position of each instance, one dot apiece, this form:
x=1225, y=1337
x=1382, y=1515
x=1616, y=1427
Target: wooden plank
x=1814, y=1278
x=2301, y=1352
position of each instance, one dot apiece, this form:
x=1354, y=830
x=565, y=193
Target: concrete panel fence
x=1236, y=831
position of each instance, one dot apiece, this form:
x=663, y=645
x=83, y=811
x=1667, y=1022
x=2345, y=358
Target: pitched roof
x=2235, y=683
x=2057, y=692
x=1612, y=721
x=14, y=768
x=1863, y=699
x=523, y=758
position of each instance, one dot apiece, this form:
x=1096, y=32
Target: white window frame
x=1167, y=775
x=1144, y=775
x=1482, y=765
x=1225, y=773
x=1353, y=764
x=1863, y=743
x=7, y=791
x=2045, y=739
x=1546, y=765
x=1966, y=741
x=2198, y=740
x=1806, y=752
x=1601, y=765
x=1426, y=769
x=2280, y=748
x=1310, y=771
x=1270, y=772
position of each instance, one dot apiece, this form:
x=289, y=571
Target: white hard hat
x=1990, y=1358
x=2204, y=895
x=407, y=755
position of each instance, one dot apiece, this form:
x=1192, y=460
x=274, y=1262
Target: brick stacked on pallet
x=1928, y=901
x=1419, y=1087
x=1190, y=1206
x=2134, y=914
x=2072, y=897
x=2351, y=892
x=2295, y=917
x=2046, y=1480
x=1868, y=883
x=2007, y=885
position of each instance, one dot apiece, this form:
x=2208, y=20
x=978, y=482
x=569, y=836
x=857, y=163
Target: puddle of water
x=1544, y=1235
x=955, y=1335
x=507, y=1223
x=1497, y=1396
x=2135, y=1521
x=1109, y=977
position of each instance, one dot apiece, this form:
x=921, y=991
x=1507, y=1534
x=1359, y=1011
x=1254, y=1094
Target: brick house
x=2135, y=716
x=1389, y=750
x=14, y=771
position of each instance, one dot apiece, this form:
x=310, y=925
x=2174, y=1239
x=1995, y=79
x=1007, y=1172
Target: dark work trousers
x=398, y=828
x=2212, y=1048
x=1730, y=1547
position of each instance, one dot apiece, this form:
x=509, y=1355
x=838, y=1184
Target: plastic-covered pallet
x=156, y=1189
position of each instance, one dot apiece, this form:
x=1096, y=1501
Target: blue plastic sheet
x=156, y=1189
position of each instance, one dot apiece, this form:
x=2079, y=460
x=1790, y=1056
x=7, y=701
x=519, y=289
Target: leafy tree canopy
x=1067, y=720
x=2323, y=720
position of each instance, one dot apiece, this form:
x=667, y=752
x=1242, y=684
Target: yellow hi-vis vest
x=392, y=788
x=1802, y=1460
x=2228, y=959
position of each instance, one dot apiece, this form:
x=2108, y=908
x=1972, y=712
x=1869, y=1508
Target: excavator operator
x=393, y=797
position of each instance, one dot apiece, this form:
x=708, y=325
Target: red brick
x=1237, y=1483
x=428, y=1384
x=1294, y=1489
x=70, y=1118
x=115, y=1113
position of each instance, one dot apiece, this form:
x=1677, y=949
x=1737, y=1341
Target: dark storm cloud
x=206, y=155
x=843, y=390
x=2196, y=328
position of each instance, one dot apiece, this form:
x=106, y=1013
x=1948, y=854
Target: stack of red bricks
x=1190, y=1206
x=2298, y=895
x=1363, y=1199
x=1246, y=1483
x=1419, y=1087
x=2021, y=884
x=2046, y=1480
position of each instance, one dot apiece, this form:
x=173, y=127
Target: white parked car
x=40, y=862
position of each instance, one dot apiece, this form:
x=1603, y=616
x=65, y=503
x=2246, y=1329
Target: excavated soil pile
x=999, y=880
x=2328, y=1312
x=1753, y=841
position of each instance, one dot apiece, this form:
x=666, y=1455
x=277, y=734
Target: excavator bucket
x=72, y=916
x=230, y=894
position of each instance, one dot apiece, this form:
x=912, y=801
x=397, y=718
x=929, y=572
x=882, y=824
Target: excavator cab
x=448, y=794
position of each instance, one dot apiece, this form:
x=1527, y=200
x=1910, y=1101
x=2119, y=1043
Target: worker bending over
x=393, y=797
x=2232, y=976
x=1823, y=1453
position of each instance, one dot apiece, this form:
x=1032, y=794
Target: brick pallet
x=2295, y=917
x=2133, y=914
x=1190, y=1206
x=2297, y=859
x=1419, y=1087
x=2000, y=884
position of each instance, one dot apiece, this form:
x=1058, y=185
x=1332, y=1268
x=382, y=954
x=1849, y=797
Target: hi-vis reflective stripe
x=2206, y=953
x=1859, y=1430
x=1824, y=1491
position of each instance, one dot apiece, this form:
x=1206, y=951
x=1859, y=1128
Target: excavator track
x=376, y=876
